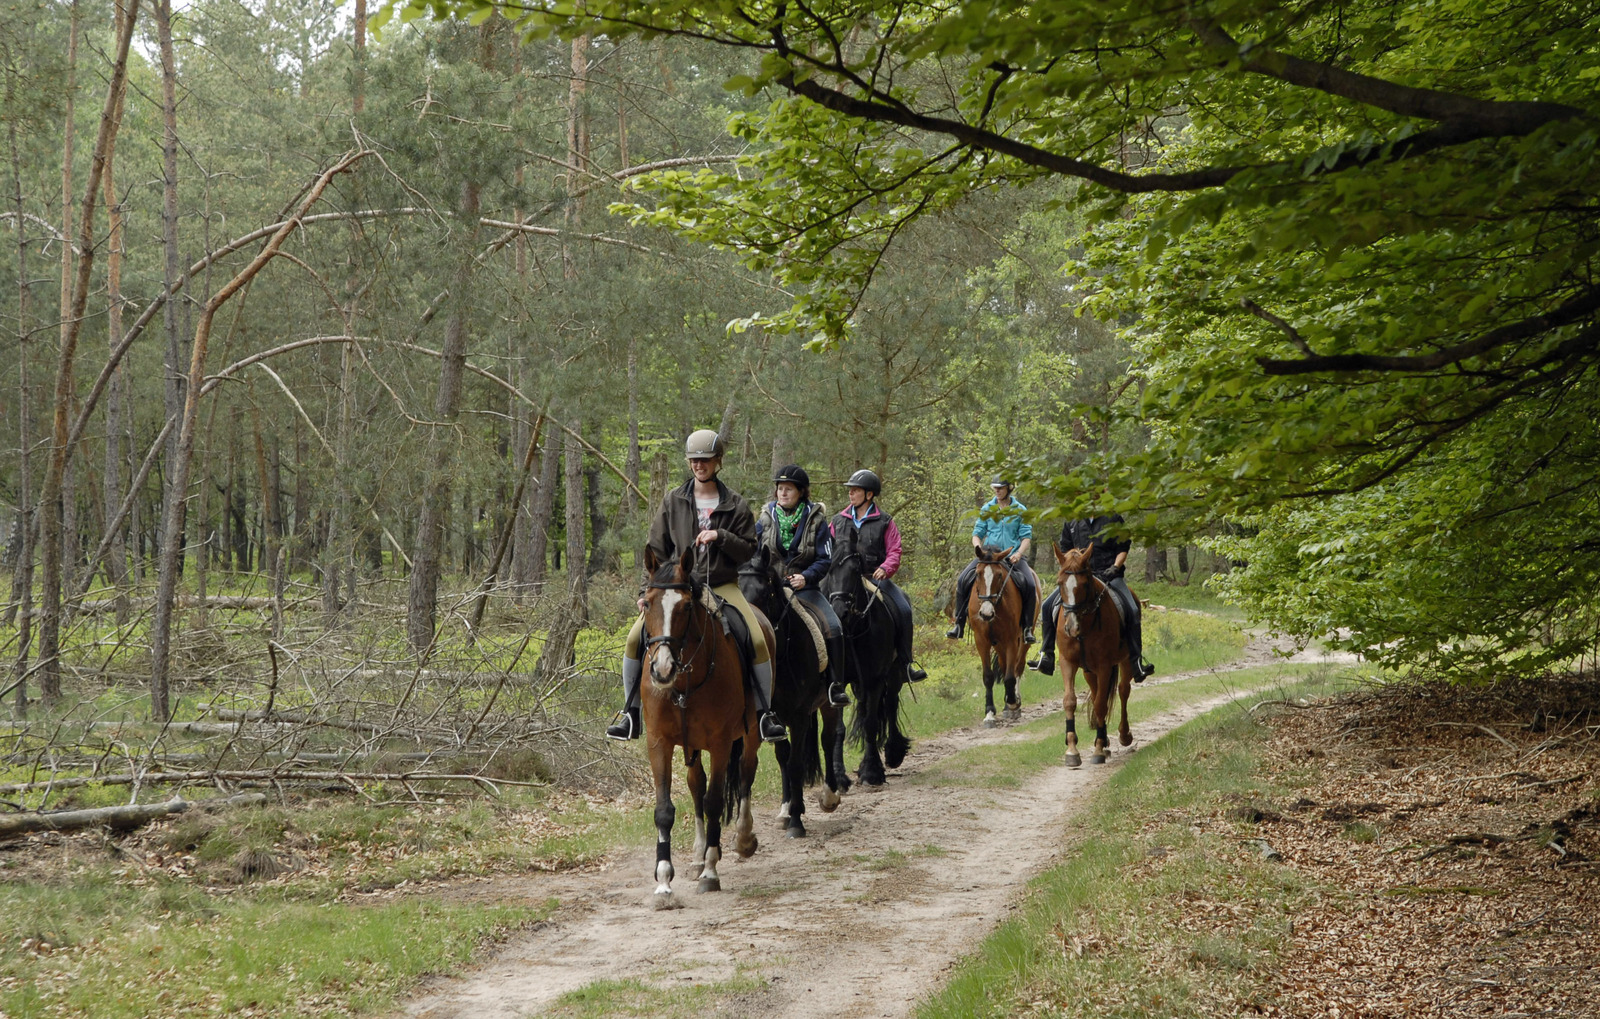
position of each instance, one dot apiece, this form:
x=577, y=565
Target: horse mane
x=666, y=573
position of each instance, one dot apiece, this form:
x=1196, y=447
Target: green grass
x=1194, y=595
x=669, y=1000
x=166, y=948
x=1101, y=934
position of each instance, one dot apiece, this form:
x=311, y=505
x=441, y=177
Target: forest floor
x=862, y=918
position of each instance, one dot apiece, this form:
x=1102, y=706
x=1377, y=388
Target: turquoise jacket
x=1001, y=527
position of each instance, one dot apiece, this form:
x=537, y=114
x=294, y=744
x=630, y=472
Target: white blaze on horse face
x=986, y=608
x=661, y=661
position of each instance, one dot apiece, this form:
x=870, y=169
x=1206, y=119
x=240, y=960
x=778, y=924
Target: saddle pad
x=813, y=624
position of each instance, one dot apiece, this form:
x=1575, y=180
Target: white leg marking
x=663, y=878
x=710, y=869
x=783, y=814
x=699, y=839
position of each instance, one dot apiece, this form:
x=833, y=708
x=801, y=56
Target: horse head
x=990, y=583
x=1073, y=575
x=671, y=595
x=759, y=580
x=842, y=585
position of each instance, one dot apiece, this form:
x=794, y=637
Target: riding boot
x=1030, y=606
x=964, y=582
x=629, y=726
x=1046, y=662
x=770, y=729
x=838, y=690
x=838, y=694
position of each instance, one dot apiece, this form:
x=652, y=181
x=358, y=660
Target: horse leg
x=1069, y=703
x=745, y=842
x=697, y=793
x=794, y=781
x=666, y=814
x=1124, y=686
x=783, y=751
x=1100, y=691
x=833, y=746
x=988, y=685
x=711, y=809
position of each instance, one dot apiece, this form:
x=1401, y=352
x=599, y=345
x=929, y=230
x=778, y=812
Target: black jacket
x=1081, y=533
x=673, y=530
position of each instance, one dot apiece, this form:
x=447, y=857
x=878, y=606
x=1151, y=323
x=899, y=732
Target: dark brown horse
x=1089, y=636
x=995, y=608
x=694, y=698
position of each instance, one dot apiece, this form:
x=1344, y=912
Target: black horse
x=871, y=663
x=799, y=694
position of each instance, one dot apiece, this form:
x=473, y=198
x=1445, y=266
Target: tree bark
x=50, y=496
x=542, y=511
x=172, y=266
x=577, y=582
x=632, y=464
x=421, y=607
x=1155, y=563
x=117, y=393
x=121, y=818
x=21, y=607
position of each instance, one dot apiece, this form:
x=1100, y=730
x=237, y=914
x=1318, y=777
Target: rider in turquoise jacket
x=1000, y=526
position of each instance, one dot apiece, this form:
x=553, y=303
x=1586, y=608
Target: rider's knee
x=635, y=635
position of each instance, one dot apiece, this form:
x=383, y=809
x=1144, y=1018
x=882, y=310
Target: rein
x=675, y=643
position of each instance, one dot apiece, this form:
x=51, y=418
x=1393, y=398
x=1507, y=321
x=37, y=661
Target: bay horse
x=799, y=695
x=995, y=608
x=1089, y=636
x=871, y=663
x=695, y=699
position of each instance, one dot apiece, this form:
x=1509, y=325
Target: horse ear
x=1089, y=551
x=652, y=562
x=1061, y=557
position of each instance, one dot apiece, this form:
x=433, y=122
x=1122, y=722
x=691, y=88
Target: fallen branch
x=121, y=818
x=264, y=775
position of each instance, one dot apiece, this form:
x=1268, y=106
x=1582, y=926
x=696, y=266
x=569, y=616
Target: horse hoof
x=988, y=721
x=1074, y=761
x=828, y=801
x=795, y=831
x=1125, y=738
x=709, y=884
x=1098, y=759
x=663, y=900
x=745, y=848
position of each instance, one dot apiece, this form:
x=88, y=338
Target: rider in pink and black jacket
x=878, y=541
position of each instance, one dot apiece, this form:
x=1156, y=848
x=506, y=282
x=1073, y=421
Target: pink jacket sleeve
x=891, y=548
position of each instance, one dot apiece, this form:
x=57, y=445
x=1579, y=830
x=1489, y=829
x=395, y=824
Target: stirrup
x=957, y=628
x=1144, y=671
x=1045, y=664
x=625, y=728
x=838, y=696
x=915, y=674
x=771, y=730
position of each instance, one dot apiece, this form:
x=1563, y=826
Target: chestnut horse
x=1089, y=636
x=695, y=699
x=995, y=608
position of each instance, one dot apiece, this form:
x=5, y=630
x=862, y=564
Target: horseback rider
x=795, y=530
x=878, y=540
x=703, y=516
x=1108, y=562
x=1000, y=526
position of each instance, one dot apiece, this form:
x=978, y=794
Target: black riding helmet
x=795, y=475
x=867, y=480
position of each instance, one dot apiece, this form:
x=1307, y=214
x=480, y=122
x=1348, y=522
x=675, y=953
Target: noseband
x=1077, y=609
x=674, y=643
x=983, y=567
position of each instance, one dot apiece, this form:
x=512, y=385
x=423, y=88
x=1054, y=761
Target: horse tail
x=897, y=744
x=731, y=782
x=810, y=747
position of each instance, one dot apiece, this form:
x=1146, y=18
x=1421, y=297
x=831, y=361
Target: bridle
x=1077, y=609
x=993, y=600
x=674, y=643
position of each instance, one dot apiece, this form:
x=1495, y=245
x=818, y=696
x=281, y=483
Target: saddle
x=733, y=625
x=1125, y=610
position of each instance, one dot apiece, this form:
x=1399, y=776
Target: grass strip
x=1156, y=912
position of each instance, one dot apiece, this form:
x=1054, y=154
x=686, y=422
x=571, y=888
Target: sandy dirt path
x=860, y=919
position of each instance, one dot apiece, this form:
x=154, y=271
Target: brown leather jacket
x=674, y=528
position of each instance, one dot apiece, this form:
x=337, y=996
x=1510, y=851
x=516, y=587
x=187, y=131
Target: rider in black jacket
x=1108, y=562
